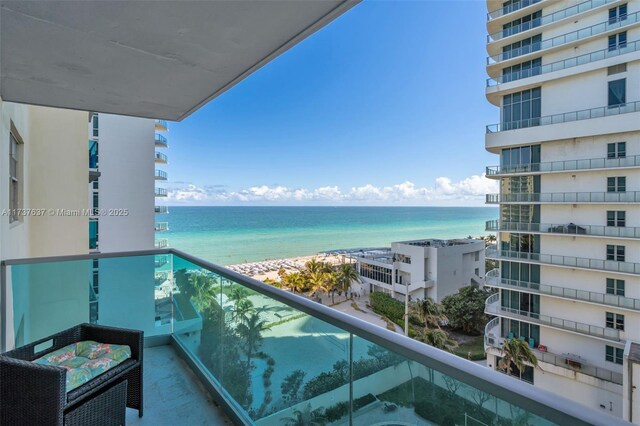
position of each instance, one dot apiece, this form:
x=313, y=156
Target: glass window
x=615, y=287
x=521, y=109
x=617, y=184
x=14, y=178
x=614, y=354
x=617, y=92
x=616, y=218
x=616, y=253
x=618, y=41
x=617, y=14
x=615, y=321
x=617, y=150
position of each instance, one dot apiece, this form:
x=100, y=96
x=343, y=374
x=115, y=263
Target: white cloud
x=469, y=191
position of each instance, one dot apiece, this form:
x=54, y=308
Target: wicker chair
x=35, y=394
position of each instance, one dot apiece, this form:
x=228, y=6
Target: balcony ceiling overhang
x=156, y=59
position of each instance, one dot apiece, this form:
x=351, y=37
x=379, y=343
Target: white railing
x=564, y=229
x=564, y=166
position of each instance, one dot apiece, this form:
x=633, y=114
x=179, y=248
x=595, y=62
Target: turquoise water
x=229, y=235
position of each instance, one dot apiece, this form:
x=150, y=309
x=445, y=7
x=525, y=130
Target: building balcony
x=493, y=344
x=160, y=158
x=565, y=198
x=496, y=172
x=294, y=334
x=162, y=125
x=161, y=209
x=161, y=243
x=493, y=307
x=548, y=19
x=561, y=41
x=493, y=279
x=161, y=226
x=161, y=175
x=161, y=141
x=161, y=192
x=570, y=229
x=627, y=268
x=507, y=10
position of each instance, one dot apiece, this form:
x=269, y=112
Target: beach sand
x=268, y=268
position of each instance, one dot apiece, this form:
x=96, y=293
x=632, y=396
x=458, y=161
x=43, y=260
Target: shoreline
x=268, y=268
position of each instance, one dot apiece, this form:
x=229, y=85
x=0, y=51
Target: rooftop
x=439, y=243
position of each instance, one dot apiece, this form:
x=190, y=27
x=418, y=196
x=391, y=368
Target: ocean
x=231, y=235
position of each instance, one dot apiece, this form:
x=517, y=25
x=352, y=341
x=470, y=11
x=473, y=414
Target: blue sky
x=384, y=106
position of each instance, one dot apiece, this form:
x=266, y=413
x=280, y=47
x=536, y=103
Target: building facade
x=566, y=77
x=425, y=268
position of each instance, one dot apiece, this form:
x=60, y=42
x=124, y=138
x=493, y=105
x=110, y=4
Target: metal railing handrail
x=493, y=307
x=161, y=209
x=548, y=19
x=567, y=117
x=504, y=10
x=564, y=229
x=572, y=36
x=161, y=226
x=554, y=408
x=565, y=165
x=493, y=279
x=569, y=261
x=575, y=61
x=162, y=123
x=161, y=156
x=161, y=174
x=565, y=197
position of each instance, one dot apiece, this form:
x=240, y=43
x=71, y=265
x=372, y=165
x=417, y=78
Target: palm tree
x=438, y=339
x=346, y=275
x=251, y=331
x=516, y=353
x=200, y=289
x=238, y=293
x=431, y=313
x=306, y=417
x=241, y=309
x=295, y=281
x=313, y=265
x=321, y=281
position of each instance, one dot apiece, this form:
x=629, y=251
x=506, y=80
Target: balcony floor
x=173, y=394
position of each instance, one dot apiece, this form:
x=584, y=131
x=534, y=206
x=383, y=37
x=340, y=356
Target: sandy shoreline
x=269, y=268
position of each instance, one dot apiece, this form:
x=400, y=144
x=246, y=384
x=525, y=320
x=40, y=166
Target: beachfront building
x=425, y=268
x=161, y=210
x=566, y=77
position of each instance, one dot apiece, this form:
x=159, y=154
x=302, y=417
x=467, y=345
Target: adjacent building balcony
x=513, y=7
x=565, y=198
x=493, y=307
x=161, y=192
x=565, y=261
x=161, y=226
x=569, y=229
x=162, y=125
x=161, y=209
x=161, y=243
x=161, y=175
x=256, y=339
x=161, y=141
x=496, y=172
x=493, y=279
x=160, y=158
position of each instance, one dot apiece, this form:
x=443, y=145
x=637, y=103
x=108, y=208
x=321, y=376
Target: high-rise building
x=161, y=226
x=566, y=77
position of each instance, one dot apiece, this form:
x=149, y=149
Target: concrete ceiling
x=156, y=59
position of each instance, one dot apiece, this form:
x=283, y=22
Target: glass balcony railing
x=548, y=19
x=510, y=8
x=493, y=307
x=161, y=226
x=161, y=175
x=575, y=61
x=565, y=197
x=577, y=35
x=570, y=261
x=162, y=125
x=160, y=158
x=492, y=340
x=161, y=209
x=161, y=141
x=493, y=279
x=564, y=166
x=570, y=229
x=267, y=355
x=161, y=192
x=566, y=117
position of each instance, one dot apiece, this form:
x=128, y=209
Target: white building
x=566, y=77
x=429, y=268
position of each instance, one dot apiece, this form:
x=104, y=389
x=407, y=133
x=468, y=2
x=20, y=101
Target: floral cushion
x=85, y=360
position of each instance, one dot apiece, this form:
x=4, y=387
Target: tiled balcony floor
x=173, y=394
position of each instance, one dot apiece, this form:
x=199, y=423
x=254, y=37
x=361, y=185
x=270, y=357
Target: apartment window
x=617, y=69
x=523, y=70
x=95, y=184
x=615, y=253
x=477, y=272
x=617, y=150
x=614, y=354
x=522, y=109
x=617, y=218
x=375, y=272
x=617, y=14
x=618, y=41
x=523, y=156
x=96, y=204
x=521, y=272
x=522, y=47
x=617, y=184
x=521, y=303
x=15, y=171
x=615, y=321
x=617, y=92
x=522, y=24
x=94, y=122
x=477, y=257
x=93, y=234
x=520, y=213
x=615, y=287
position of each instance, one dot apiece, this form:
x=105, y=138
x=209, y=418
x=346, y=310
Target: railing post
x=3, y=307
x=351, y=379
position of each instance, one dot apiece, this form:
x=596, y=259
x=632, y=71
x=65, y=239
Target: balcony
x=493, y=307
x=493, y=279
x=565, y=198
x=161, y=192
x=510, y=8
x=161, y=141
x=586, y=114
x=160, y=158
x=161, y=243
x=495, y=172
x=575, y=61
x=162, y=125
x=161, y=209
x=369, y=367
x=565, y=261
x=493, y=341
x=161, y=226
x=565, y=39
x=548, y=19
x=161, y=175
x=570, y=229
